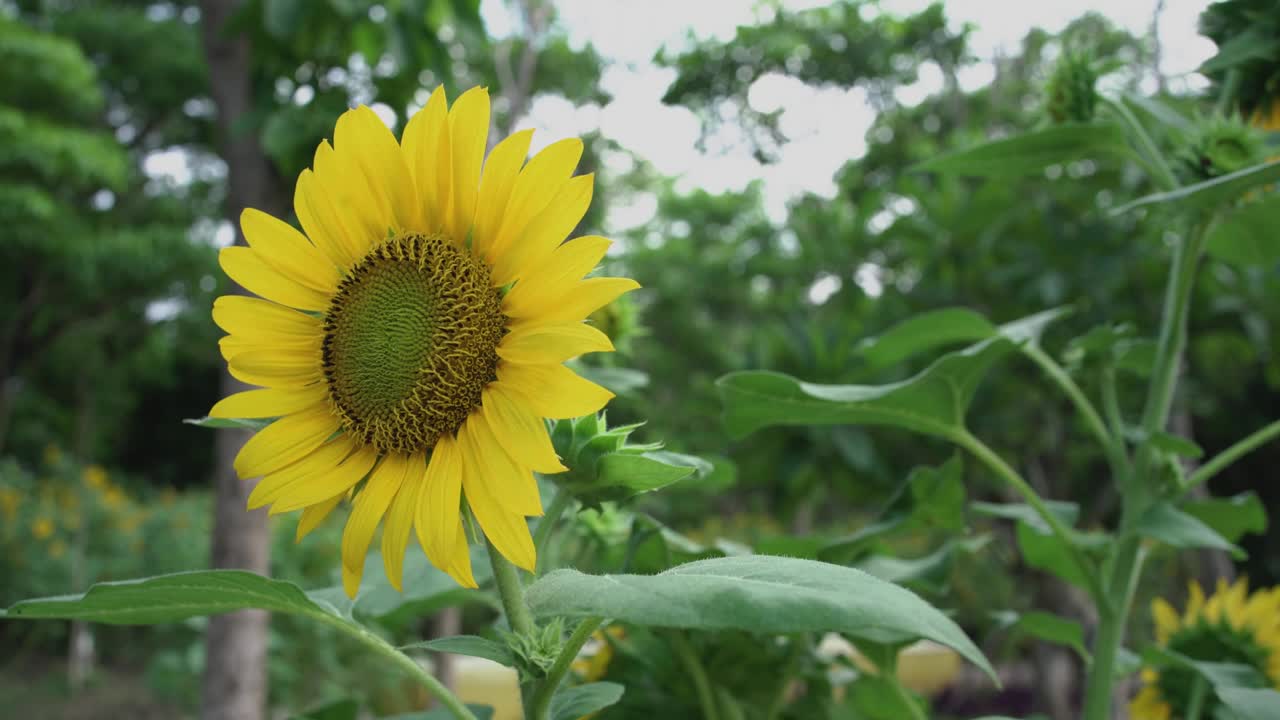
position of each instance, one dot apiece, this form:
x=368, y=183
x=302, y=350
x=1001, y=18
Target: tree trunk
x=235, y=675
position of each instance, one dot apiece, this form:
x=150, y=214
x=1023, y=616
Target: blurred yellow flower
x=42, y=528
x=94, y=476
x=57, y=549
x=10, y=499
x=113, y=497
x=593, y=661
x=1230, y=626
x=52, y=454
x=1269, y=121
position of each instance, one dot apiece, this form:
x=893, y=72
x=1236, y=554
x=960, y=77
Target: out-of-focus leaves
x=1232, y=517
x=1032, y=152
x=1247, y=236
x=1210, y=193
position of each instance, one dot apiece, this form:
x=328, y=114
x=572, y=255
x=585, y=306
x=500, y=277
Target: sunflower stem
x=540, y=704
x=1196, y=704
x=511, y=591
x=547, y=525
x=701, y=683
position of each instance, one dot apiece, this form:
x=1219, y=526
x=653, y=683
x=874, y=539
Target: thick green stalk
x=1032, y=498
x=540, y=704
x=382, y=647
x=1113, y=606
x=511, y=592
x=702, y=685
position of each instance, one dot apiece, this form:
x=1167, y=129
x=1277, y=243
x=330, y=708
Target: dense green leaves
x=1031, y=152
x=754, y=593
x=1250, y=703
x=1247, y=236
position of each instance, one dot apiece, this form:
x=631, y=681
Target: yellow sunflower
x=1230, y=626
x=411, y=339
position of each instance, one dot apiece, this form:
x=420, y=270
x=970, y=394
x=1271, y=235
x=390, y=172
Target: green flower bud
x=1071, y=94
x=1220, y=146
x=536, y=653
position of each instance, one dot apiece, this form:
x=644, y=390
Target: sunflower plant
x=406, y=341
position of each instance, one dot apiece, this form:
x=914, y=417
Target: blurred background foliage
x=108, y=273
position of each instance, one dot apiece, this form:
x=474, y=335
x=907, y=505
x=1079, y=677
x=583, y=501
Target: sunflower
x=410, y=340
x=1230, y=626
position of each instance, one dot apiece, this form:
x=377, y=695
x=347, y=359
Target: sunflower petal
x=367, y=511
x=373, y=151
x=288, y=251
x=469, y=130
x=584, y=298
x=427, y=152
x=321, y=461
x=268, y=403
x=335, y=234
x=440, y=504
x=355, y=201
x=546, y=231
x=324, y=485
x=500, y=172
x=553, y=391
x=504, y=526
x=552, y=343
x=248, y=269
x=538, y=183
x=554, y=276
x=313, y=515
x=460, y=560
x=395, y=534
x=524, y=434
x=284, y=441
x=252, y=317
x=282, y=368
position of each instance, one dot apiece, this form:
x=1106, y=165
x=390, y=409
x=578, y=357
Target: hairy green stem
x=1149, y=152
x=511, y=592
x=1242, y=447
x=406, y=663
x=689, y=657
x=540, y=703
x=1032, y=498
x=1137, y=490
x=1111, y=444
x=547, y=525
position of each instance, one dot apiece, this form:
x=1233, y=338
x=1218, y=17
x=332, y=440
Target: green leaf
x=169, y=598
x=1220, y=675
x=754, y=593
x=849, y=547
x=925, y=332
x=1175, y=528
x=1232, y=517
x=1248, y=236
x=619, y=381
x=282, y=17
x=644, y=473
x=938, y=496
x=1043, y=550
x=581, y=700
x=1251, y=704
x=875, y=698
x=345, y=709
x=1031, y=152
x=1052, y=628
x=894, y=569
x=1210, y=193
x=426, y=589
x=472, y=645
x=1252, y=44
x=230, y=423
x=1065, y=511
x=933, y=402
x=1176, y=445
x=482, y=712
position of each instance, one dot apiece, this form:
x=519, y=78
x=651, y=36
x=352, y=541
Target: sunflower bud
x=1071, y=94
x=603, y=466
x=535, y=653
x=1220, y=146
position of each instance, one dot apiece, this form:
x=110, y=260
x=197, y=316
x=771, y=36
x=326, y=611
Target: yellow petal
x=460, y=560
x=373, y=150
x=585, y=297
x=546, y=231
x=440, y=504
x=251, y=317
x=395, y=534
x=314, y=515
x=248, y=269
x=553, y=391
x=552, y=342
x=522, y=433
x=367, y=511
x=335, y=480
x=1195, y=603
x=469, y=130
x=287, y=480
x=500, y=172
x=506, y=479
x=505, y=528
x=554, y=276
x=277, y=369
x=285, y=441
x=539, y=182
x=332, y=230
x=268, y=403
x=288, y=251
x=428, y=153
x=356, y=203
x=1166, y=619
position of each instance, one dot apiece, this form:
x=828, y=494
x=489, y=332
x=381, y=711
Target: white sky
x=825, y=128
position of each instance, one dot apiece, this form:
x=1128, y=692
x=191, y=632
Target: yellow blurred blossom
x=94, y=476
x=57, y=549
x=42, y=528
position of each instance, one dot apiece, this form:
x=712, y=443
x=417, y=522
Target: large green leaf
x=1231, y=517
x=933, y=402
x=754, y=593
x=472, y=645
x=1250, y=704
x=925, y=331
x=1169, y=525
x=169, y=598
x=482, y=712
x=1210, y=193
x=1051, y=628
x=582, y=700
x=1248, y=236
x=1031, y=152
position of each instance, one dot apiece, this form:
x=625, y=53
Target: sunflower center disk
x=410, y=341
